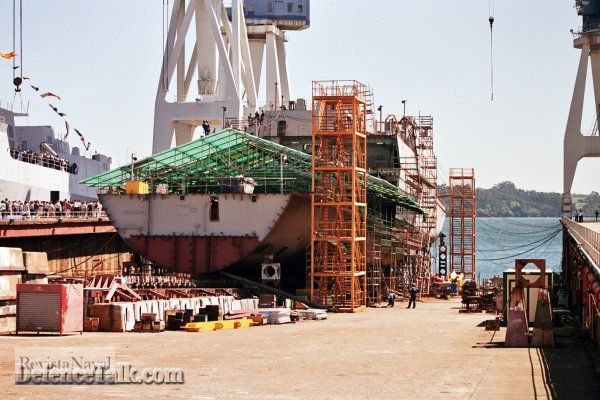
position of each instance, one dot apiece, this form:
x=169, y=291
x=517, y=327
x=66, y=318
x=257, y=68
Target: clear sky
x=104, y=58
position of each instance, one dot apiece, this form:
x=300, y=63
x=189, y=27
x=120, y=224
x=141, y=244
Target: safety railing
x=51, y=215
x=43, y=160
x=587, y=238
x=263, y=185
x=340, y=89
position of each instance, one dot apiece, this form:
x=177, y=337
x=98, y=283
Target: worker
x=206, y=127
x=391, y=298
x=413, y=291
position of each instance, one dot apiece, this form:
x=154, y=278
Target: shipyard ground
x=431, y=352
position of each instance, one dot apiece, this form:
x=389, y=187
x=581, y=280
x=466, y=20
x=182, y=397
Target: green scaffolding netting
x=198, y=167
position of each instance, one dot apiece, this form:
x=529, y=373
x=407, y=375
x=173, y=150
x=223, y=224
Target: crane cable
x=18, y=78
x=491, y=19
x=14, y=48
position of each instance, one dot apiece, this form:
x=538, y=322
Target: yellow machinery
x=136, y=187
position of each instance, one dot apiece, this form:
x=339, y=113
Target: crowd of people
x=260, y=118
x=17, y=209
x=40, y=158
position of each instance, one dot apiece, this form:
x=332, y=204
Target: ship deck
x=431, y=352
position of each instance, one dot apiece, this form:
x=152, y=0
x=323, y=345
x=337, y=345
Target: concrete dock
x=431, y=352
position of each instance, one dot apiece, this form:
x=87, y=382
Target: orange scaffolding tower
x=339, y=195
x=462, y=221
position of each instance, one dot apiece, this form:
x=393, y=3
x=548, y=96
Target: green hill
x=506, y=200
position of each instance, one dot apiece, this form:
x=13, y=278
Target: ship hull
x=184, y=234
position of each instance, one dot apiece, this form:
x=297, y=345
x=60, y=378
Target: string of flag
x=47, y=96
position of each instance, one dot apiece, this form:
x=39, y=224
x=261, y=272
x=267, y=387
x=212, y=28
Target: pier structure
x=581, y=272
x=578, y=145
x=230, y=44
x=75, y=246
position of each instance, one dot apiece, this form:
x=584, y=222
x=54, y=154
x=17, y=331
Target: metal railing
x=43, y=160
x=51, y=215
x=587, y=238
x=263, y=185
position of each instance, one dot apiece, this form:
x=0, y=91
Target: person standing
x=413, y=291
x=206, y=127
x=596, y=215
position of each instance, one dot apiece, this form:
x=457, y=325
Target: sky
x=104, y=57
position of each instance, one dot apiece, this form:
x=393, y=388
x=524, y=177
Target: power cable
x=521, y=253
x=531, y=232
x=523, y=245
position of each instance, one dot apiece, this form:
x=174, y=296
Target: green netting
x=198, y=166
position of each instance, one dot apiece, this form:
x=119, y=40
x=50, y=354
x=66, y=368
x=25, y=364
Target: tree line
x=506, y=200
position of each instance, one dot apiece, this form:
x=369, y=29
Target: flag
x=47, y=94
x=8, y=56
x=56, y=110
x=86, y=145
x=68, y=129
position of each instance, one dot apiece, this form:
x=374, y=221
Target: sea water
x=499, y=241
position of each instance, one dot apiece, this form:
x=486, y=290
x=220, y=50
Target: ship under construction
x=232, y=198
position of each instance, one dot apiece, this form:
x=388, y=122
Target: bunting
x=87, y=146
x=49, y=94
x=46, y=96
x=56, y=110
x=8, y=56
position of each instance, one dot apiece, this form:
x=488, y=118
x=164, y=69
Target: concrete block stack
x=90, y=324
x=122, y=316
x=149, y=323
x=17, y=266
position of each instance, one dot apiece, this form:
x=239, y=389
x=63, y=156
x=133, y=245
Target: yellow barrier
x=218, y=325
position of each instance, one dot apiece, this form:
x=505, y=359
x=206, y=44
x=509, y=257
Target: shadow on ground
x=570, y=370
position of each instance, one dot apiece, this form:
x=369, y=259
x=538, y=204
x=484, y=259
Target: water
x=500, y=240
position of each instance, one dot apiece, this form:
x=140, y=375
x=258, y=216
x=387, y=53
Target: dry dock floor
x=431, y=352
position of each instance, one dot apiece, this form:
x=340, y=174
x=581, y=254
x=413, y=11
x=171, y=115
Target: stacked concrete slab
x=17, y=266
x=122, y=316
